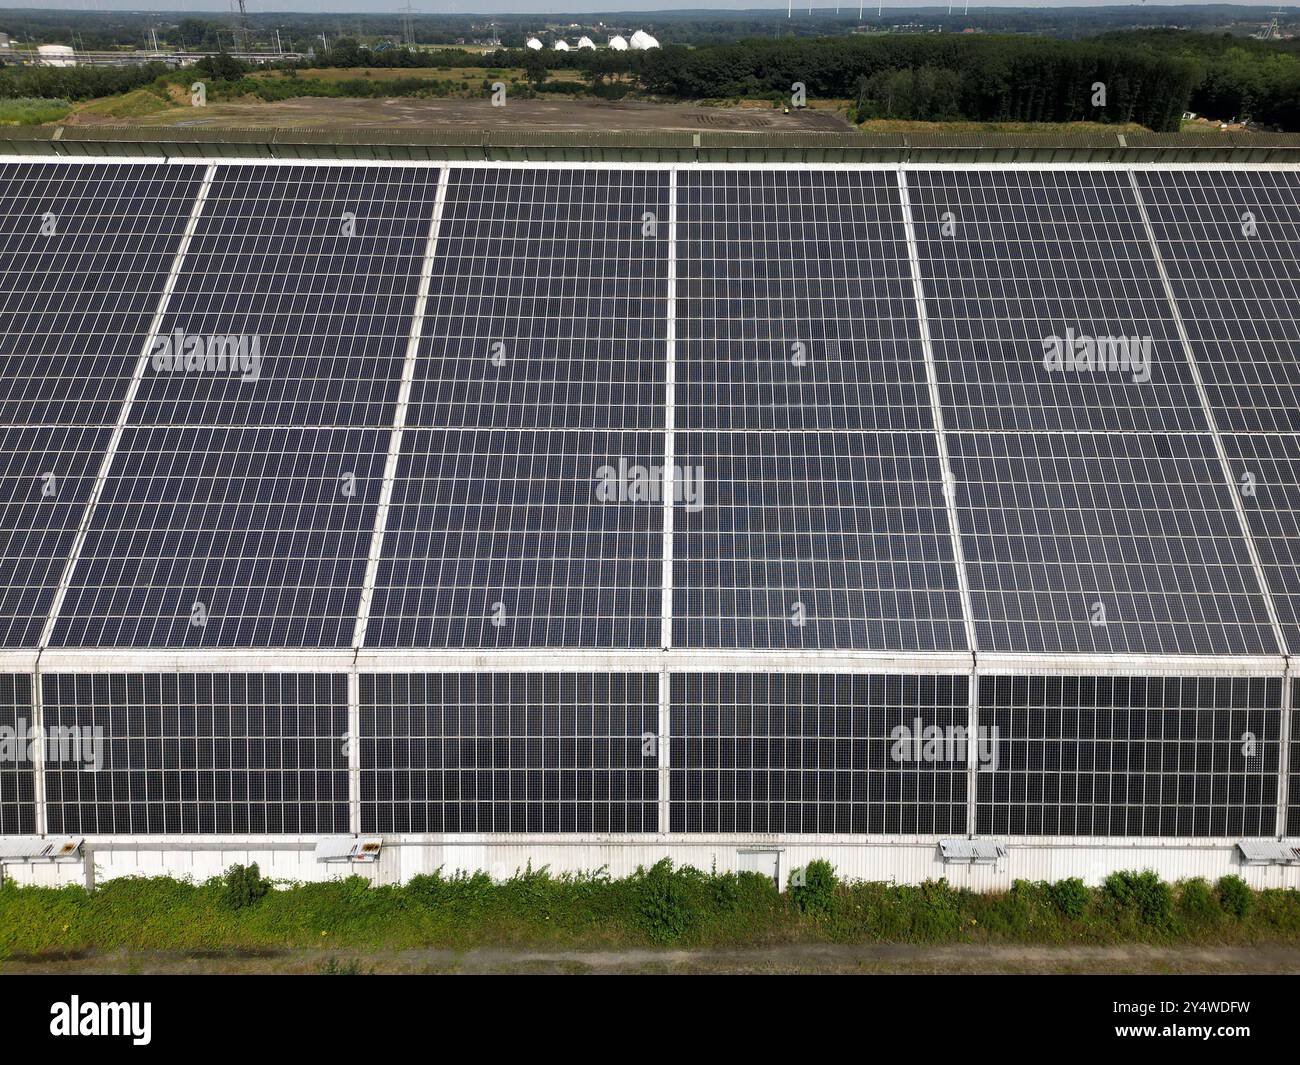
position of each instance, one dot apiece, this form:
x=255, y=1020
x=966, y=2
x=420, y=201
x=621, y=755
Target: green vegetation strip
x=660, y=906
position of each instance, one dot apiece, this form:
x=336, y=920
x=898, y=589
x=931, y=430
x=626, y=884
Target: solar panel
x=17, y=780
x=1228, y=239
x=789, y=752
x=814, y=540
x=504, y=539
x=1130, y=756
x=509, y=752
x=1018, y=265
x=201, y=753
x=796, y=308
x=46, y=477
x=1293, y=764
x=548, y=302
x=85, y=250
x=1104, y=544
x=317, y=265
x=227, y=537
x=241, y=503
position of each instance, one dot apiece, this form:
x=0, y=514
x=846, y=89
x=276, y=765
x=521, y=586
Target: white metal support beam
x=1176, y=316
x=949, y=484
x=669, y=485
x=1284, y=766
x=124, y=413
x=413, y=339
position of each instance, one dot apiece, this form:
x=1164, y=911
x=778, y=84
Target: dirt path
x=889, y=959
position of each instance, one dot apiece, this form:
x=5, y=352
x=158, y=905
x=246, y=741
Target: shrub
x=1196, y=902
x=243, y=885
x=1234, y=896
x=1070, y=897
x=1143, y=894
x=662, y=903
x=812, y=888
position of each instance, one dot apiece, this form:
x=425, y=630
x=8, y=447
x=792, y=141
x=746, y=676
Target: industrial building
x=939, y=517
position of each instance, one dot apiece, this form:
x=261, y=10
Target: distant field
x=470, y=74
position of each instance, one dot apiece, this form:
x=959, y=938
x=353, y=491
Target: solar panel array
x=931, y=413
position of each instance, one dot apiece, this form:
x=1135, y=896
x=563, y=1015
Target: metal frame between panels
x=666, y=660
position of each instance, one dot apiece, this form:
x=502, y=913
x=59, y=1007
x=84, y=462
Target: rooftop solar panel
x=548, y=302
x=502, y=538
x=814, y=541
x=227, y=537
x=1105, y=544
x=796, y=308
x=46, y=477
x=1266, y=468
x=85, y=250
x=316, y=265
x=1229, y=238
x=1022, y=266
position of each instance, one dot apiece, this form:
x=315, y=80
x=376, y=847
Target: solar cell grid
x=1131, y=756
x=509, y=752
x=796, y=308
x=501, y=539
x=17, y=781
x=815, y=753
x=202, y=753
x=210, y=537
x=817, y=541
x=1106, y=544
x=318, y=265
x=548, y=303
x=1266, y=468
x=46, y=477
x=84, y=253
x=1018, y=264
x=1229, y=238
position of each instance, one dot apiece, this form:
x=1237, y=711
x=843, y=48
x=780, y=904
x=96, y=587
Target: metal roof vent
x=971, y=851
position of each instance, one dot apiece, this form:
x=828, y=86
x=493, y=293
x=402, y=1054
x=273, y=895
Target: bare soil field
x=463, y=114
x=875, y=959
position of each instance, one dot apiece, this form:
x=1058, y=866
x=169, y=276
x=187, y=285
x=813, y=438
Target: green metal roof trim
x=388, y=142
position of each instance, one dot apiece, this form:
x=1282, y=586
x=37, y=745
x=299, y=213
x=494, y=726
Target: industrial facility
x=471, y=506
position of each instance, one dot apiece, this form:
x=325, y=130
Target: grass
x=133, y=104
x=29, y=111
x=660, y=906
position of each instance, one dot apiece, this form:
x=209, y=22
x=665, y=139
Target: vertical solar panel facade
x=1293, y=797
x=85, y=251
x=201, y=753
x=241, y=504
x=509, y=752
x=824, y=753
x=1130, y=756
x=17, y=781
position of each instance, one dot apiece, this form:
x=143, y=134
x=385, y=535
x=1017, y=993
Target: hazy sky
x=546, y=7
